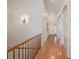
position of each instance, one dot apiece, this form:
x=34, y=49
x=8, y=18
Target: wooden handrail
x=29, y=48
x=18, y=45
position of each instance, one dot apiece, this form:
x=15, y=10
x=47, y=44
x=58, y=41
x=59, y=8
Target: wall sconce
x=24, y=19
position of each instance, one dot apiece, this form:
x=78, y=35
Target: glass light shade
x=24, y=19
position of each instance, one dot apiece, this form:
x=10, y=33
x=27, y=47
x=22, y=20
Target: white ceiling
x=53, y=6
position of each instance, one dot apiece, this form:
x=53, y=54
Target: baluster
x=25, y=50
x=13, y=54
x=31, y=50
x=22, y=52
x=33, y=53
x=18, y=53
x=7, y=55
x=40, y=42
x=34, y=49
x=28, y=50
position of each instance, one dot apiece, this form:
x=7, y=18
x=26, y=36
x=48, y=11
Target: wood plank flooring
x=52, y=50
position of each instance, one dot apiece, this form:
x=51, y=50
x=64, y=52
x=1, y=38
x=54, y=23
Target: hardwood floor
x=52, y=50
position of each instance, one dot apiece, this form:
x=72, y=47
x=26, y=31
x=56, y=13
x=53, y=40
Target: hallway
x=38, y=29
x=52, y=50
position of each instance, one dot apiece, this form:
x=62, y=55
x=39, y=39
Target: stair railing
x=25, y=50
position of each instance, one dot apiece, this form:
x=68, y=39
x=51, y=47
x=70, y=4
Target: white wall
x=44, y=25
x=67, y=27
x=44, y=31
x=51, y=19
x=17, y=31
